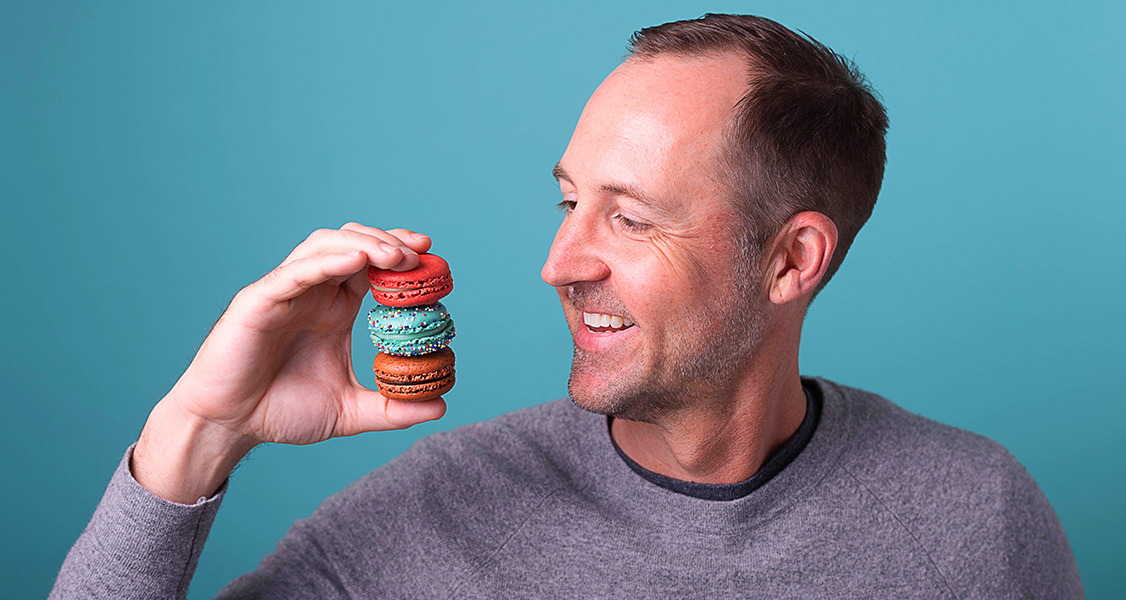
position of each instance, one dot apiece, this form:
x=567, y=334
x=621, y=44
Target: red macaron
x=427, y=283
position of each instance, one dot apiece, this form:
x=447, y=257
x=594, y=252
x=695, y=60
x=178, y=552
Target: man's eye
x=631, y=225
x=566, y=205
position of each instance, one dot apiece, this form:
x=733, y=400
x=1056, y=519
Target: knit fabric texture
x=881, y=503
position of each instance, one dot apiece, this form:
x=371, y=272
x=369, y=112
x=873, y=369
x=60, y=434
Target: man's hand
x=277, y=367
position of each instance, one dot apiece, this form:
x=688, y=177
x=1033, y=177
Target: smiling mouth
x=601, y=322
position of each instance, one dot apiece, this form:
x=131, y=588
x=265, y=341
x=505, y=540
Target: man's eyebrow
x=629, y=191
x=558, y=172
x=616, y=189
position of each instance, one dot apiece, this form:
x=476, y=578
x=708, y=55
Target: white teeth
x=600, y=320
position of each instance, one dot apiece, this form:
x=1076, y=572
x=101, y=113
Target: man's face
x=645, y=259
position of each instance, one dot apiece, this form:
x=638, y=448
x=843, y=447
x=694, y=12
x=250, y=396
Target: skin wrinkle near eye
x=664, y=241
x=613, y=189
x=664, y=250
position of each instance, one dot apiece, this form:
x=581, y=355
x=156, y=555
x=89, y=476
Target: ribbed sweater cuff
x=137, y=543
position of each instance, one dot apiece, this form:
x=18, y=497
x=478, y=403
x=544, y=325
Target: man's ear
x=800, y=255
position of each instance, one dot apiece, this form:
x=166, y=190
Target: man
x=712, y=186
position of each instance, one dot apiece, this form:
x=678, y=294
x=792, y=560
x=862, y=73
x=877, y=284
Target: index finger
x=411, y=239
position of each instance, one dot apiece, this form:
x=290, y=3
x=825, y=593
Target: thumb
x=368, y=410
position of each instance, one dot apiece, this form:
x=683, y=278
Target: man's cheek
x=676, y=257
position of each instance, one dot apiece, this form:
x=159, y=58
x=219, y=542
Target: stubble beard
x=706, y=367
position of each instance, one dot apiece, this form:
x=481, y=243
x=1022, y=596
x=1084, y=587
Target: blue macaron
x=412, y=330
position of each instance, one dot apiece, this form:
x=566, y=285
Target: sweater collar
x=610, y=480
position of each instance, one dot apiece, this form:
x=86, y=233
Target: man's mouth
x=601, y=322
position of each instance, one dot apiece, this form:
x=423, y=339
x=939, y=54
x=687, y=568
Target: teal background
x=155, y=157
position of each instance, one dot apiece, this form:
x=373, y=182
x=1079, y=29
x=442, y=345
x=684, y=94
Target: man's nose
x=574, y=256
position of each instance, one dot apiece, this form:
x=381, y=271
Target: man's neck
x=723, y=441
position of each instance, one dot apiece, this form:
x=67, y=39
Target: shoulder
x=907, y=458
x=963, y=496
x=893, y=446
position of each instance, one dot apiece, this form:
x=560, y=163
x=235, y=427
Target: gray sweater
x=881, y=503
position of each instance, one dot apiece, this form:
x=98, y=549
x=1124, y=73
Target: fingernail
x=388, y=247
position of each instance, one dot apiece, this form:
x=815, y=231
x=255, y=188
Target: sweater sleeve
x=1038, y=562
x=137, y=545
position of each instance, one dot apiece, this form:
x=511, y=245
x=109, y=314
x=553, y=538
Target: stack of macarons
x=412, y=330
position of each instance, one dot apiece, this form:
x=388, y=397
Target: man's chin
x=590, y=397
x=599, y=384
x=596, y=406
x=619, y=398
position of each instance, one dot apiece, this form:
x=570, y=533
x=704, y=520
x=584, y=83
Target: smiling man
x=712, y=186
x=653, y=238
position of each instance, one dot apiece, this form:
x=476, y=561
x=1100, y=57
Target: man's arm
x=276, y=368
x=136, y=545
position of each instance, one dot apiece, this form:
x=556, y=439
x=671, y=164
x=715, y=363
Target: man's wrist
x=181, y=458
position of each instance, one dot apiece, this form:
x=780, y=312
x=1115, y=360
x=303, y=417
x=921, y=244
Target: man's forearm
x=182, y=459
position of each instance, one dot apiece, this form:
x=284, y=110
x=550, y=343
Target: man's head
x=662, y=234
x=807, y=134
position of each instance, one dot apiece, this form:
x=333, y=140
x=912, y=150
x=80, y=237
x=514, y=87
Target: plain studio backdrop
x=157, y=156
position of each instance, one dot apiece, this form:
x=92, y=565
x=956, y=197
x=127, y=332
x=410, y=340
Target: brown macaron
x=414, y=378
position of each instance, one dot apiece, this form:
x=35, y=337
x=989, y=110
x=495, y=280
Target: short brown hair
x=807, y=135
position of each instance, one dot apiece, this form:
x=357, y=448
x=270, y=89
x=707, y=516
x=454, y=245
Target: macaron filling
x=437, y=282
x=387, y=289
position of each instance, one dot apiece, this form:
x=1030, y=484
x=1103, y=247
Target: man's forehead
x=654, y=124
x=700, y=90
